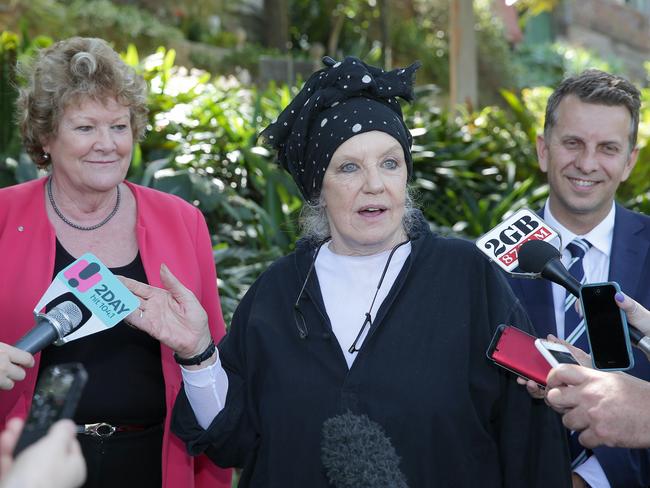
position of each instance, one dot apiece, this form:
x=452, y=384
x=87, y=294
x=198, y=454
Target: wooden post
x=276, y=15
x=463, y=70
x=386, y=49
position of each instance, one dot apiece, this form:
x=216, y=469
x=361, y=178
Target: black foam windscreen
x=534, y=255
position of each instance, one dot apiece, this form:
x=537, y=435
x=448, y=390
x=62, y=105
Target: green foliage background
x=470, y=168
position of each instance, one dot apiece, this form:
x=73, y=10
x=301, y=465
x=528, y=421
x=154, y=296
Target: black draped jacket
x=454, y=418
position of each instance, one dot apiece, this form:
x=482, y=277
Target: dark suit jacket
x=630, y=267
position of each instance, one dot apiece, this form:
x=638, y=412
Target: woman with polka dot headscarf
x=372, y=314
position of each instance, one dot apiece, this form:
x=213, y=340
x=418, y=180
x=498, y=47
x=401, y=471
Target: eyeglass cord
x=368, y=319
x=302, y=328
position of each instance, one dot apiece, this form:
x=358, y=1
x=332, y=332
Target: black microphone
x=356, y=453
x=50, y=327
x=541, y=257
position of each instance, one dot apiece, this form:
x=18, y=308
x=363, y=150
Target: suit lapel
x=629, y=251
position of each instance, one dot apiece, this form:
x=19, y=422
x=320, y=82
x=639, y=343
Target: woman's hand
x=13, y=362
x=172, y=315
x=637, y=314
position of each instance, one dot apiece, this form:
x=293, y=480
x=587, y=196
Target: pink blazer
x=170, y=231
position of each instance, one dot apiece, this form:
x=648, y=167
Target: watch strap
x=199, y=358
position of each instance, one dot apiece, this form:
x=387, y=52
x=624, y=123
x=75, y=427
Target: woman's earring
x=46, y=156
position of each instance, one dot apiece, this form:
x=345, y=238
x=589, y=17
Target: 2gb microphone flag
x=502, y=243
x=98, y=289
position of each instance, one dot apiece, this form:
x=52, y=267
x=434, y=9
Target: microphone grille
x=533, y=255
x=357, y=453
x=68, y=315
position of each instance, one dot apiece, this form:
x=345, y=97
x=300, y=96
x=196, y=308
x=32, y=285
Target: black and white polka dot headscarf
x=338, y=102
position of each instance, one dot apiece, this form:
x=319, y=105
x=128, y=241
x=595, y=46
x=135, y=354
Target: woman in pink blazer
x=79, y=115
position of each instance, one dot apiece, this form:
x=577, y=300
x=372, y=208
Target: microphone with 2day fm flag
x=84, y=298
x=51, y=326
x=356, y=453
x=542, y=258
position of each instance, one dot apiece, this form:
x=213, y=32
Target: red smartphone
x=515, y=350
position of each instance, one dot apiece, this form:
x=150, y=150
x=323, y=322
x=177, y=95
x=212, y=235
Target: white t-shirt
x=348, y=285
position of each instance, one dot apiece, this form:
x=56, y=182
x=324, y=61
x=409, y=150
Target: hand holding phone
x=606, y=325
x=53, y=461
x=514, y=350
x=56, y=396
x=555, y=353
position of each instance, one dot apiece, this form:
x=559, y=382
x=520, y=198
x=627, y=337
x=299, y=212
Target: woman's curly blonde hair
x=68, y=72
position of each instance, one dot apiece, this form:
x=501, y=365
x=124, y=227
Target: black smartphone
x=606, y=327
x=56, y=396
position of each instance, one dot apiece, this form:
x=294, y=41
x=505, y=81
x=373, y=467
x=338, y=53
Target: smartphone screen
x=562, y=357
x=515, y=350
x=606, y=327
x=56, y=396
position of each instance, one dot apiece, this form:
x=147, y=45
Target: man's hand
x=607, y=408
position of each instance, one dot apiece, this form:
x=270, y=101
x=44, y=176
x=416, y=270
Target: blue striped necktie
x=574, y=330
x=574, y=325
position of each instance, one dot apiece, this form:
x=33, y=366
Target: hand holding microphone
x=86, y=298
x=50, y=327
x=13, y=362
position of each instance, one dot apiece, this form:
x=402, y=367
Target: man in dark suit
x=588, y=148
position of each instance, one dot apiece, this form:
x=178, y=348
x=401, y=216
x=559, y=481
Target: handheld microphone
x=356, y=453
x=541, y=257
x=50, y=327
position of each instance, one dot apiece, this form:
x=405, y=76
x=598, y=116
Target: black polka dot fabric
x=342, y=100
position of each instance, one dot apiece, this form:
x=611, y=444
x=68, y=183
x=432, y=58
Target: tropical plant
x=472, y=169
x=116, y=23
x=9, y=45
x=204, y=141
x=15, y=166
x=203, y=147
x=635, y=192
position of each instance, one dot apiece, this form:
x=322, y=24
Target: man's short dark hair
x=597, y=87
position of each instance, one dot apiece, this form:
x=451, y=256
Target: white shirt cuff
x=206, y=390
x=592, y=472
